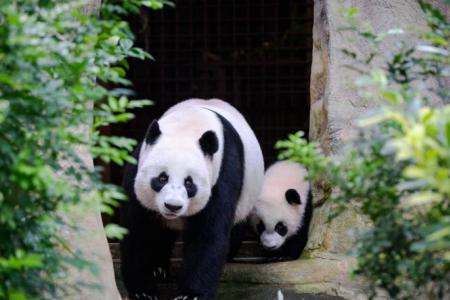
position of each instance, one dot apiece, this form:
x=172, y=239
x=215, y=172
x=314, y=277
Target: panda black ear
x=153, y=132
x=292, y=197
x=209, y=143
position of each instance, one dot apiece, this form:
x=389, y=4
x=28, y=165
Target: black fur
x=281, y=228
x=237, y=235
x=260, y=227
x=206, y=235
x=292, y=197
x=146, y=248
x=157, y=183
x=295, y=244
x=209, y=143
x=153, y=132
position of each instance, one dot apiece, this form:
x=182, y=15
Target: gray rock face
x=335, y=105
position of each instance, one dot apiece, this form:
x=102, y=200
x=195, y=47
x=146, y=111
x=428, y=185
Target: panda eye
x=190, y=186
x=281, y=229
x=163, y=178
x=188, y=182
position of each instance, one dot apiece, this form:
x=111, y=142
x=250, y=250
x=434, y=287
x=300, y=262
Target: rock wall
x=335, y=106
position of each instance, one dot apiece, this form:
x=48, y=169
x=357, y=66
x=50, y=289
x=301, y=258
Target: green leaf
x=17, y=295
x=60, y=70
x=126, y=44
x=447, y=132
x=421, y=198
x=432, y=50
x=114, y=231
x=4, y=109
x=353, y=11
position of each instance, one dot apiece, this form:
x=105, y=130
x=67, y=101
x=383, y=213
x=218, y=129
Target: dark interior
x=255, y=55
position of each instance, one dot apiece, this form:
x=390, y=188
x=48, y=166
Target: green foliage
x=397, y=170
x=50, y=54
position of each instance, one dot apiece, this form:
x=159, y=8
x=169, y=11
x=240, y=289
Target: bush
x=397, y=171
x=50, y=53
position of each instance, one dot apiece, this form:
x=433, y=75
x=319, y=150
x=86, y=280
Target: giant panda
x=199, y=171
x=283, y=212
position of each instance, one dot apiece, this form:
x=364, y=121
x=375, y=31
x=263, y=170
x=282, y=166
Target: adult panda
x=282, y=215
x=199, y=171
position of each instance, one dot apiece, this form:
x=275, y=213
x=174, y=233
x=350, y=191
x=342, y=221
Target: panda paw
x=186, y=298
x=143, y=296
x=159, y=273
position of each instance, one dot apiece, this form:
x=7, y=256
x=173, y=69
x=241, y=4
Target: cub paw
x=187, y=298
x=143, y=296
x=159, y=274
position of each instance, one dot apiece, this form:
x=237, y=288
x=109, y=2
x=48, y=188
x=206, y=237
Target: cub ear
x=292, y=197
x=153, y=132
x=209, y=143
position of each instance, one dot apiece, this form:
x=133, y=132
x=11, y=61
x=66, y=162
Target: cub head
x=275, y=220
x=174, y=172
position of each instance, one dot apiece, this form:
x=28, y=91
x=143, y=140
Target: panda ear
x=153, y=132
x=292, y=197
x=209, y=143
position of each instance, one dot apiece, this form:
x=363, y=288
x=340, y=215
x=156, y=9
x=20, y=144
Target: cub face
x=174, y=175
x=275, y=221
x=272, y=238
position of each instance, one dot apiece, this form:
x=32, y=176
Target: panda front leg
x=206, y=245
x=145, y=254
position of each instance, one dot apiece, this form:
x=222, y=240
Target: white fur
x=272, y=206
x=271, y=239
x=177, y=152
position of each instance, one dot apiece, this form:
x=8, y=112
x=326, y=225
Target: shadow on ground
x=266, y=292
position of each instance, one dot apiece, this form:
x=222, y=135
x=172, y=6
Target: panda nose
x=173, y=208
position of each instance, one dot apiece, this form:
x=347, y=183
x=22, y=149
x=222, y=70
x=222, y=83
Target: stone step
x=250, y=251
x=230, y=289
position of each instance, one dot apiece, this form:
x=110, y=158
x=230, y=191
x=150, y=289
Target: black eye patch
x=190, y=187
x=260, y=227
x=281, y=229
x=157, y=183
x=292, y=197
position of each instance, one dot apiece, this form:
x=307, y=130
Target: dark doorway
x=255, y=55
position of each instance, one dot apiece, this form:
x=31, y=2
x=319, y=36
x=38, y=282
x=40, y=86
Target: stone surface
x=321, y=273
x=334, y=101
x=336, y=235
x=265, y=292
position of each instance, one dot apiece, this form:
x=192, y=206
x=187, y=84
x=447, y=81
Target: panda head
x=275, y=220
x=174, y=174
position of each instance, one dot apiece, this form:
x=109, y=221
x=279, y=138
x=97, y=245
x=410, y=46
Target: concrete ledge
x=323, y=273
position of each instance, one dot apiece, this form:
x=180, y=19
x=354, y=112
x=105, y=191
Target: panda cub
x=283, y=211
x=200, y=169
